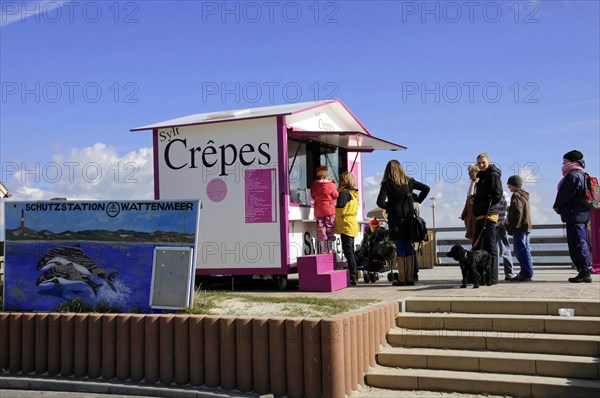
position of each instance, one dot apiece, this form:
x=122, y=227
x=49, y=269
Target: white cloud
x=95, y=172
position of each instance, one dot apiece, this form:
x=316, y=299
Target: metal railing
x=543, y=254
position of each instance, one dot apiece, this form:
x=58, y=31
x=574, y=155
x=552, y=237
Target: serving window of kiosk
x=303, y=159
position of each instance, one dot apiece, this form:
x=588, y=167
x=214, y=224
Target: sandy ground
x=369, y=392
x=239, y=307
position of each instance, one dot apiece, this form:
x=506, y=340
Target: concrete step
x=482, y=383
x=519, y=306
x=491, y=362
x=519, y=348
x=505, y=323
x=543, y=343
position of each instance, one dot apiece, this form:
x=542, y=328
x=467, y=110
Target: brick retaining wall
x=294, y=357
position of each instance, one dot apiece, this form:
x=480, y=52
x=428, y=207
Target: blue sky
x=448, y=79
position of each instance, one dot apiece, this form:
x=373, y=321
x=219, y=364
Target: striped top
x=503, y=207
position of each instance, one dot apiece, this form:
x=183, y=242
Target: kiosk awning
x=353, y=141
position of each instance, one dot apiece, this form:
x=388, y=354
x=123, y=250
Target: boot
x=410, y=270
x=401, y=266
x=583, y=276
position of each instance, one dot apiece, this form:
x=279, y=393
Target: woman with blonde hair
x=396, y=187
x=467, y=213
x=345, y=223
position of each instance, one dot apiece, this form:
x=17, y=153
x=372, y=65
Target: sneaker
x=584, y=277
x=509, y=277
x=521, y=278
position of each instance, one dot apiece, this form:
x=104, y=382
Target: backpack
x=591, y=191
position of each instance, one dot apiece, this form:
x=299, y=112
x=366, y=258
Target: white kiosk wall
x=232, y=167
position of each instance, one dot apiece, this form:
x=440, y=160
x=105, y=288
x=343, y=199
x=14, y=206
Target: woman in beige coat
x=467, y=213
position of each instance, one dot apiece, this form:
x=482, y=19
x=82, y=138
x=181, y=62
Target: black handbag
x=415, y=225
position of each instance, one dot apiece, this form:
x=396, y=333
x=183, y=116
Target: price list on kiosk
x=260, y=195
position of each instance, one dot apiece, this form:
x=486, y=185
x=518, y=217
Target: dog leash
x=484, y=225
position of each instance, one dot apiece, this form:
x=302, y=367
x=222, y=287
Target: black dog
x=475, y=265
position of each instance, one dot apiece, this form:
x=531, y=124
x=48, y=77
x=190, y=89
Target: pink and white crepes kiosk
x=252, y=169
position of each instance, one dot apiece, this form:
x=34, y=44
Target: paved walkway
x=549, y=282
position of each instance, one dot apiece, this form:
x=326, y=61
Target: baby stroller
x=376, y=252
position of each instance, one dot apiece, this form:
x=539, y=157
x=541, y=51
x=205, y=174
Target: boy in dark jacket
x=518, y=224
x=570, y=205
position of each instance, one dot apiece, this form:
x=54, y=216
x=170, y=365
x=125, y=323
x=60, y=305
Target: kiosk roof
x=335, y=105
x=350, y=133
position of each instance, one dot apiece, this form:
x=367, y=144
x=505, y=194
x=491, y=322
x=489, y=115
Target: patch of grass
x=205, y=302
x=74, y=305
x=106, y=308
x=77, y=305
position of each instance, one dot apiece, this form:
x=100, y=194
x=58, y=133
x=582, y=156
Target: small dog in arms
x=475, y=265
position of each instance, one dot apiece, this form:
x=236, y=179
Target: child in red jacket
x=324, y=193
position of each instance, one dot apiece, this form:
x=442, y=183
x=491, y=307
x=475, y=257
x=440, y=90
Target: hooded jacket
x=324, y=193
x=569, y=202
x=345, y=212
x=519, y=215
x=488, y=192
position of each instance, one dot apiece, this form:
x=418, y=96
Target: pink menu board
x=260, y=195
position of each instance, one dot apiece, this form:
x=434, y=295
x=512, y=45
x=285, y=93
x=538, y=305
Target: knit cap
x=515, y=181
x=573, y=156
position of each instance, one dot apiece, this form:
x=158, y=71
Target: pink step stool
x=317, y=273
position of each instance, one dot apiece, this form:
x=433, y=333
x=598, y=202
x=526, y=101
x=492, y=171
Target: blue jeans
x=523, y=253
x=504, y=251
x=579, y=248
